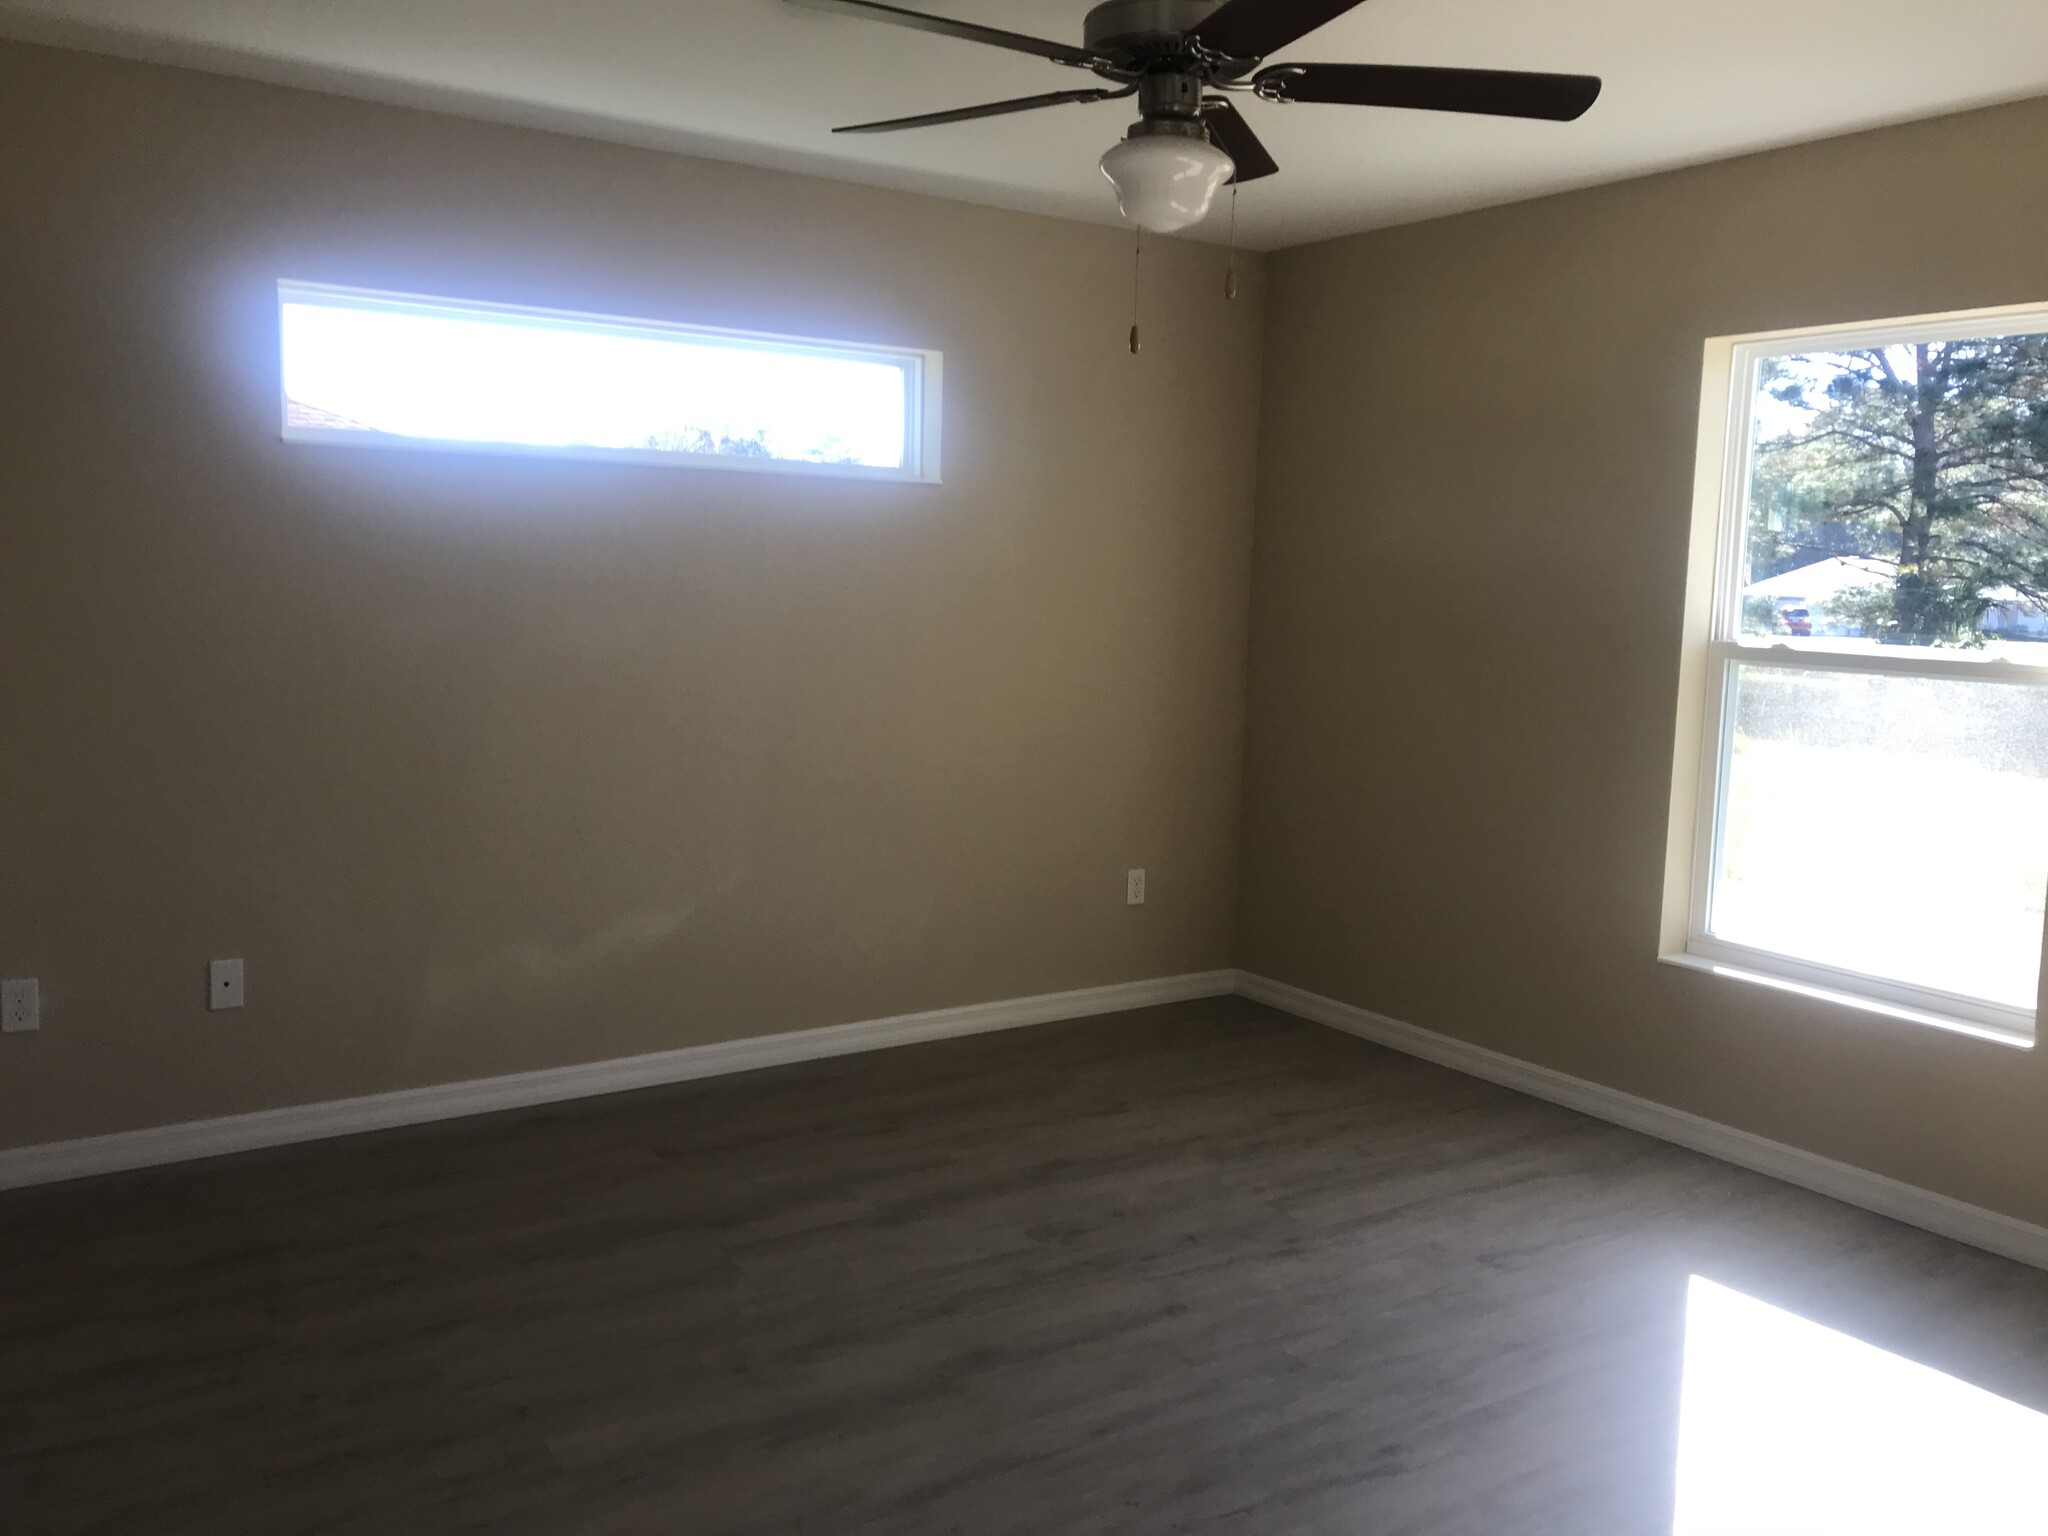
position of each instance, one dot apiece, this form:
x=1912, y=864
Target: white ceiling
x=762, y=82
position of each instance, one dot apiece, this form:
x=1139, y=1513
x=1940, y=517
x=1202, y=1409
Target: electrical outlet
x=21, y=1008
x=1134, y=888
x=224, y=985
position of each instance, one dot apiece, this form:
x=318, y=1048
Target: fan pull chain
x=1230, y=277
x=1137, y=286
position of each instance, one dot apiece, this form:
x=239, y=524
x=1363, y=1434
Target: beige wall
x=1475, y=490
x=486, y=764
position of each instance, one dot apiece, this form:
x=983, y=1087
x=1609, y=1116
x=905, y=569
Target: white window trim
x=923, y=376
x=1714, y=645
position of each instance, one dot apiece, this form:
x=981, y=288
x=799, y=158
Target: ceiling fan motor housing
x=1171, y=97
x=1143, y=30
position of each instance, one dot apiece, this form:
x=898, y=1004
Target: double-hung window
x=1862, y=802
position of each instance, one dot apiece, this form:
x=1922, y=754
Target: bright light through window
x=384, y=369
x=1787, y=1428
x=1820, y=854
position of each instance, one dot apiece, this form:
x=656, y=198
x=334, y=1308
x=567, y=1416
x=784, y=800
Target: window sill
x=1974, y=1028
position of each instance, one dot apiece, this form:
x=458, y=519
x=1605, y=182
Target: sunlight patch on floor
x=1788, y=1428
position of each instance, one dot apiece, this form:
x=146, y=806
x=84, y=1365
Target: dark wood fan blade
x=1251, y=29
x=1495, y=92
x=966, y=31
x=992, y=109
x=1234, y=136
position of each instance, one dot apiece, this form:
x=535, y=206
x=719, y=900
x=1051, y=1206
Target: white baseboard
x=56, y=1161
x=1917, y=1207
x=59, y=1160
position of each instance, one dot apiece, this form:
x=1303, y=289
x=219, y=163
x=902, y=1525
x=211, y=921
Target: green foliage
x=752, y=446
x=698, y=440
x=834, y=451
x=1869, y=608
x=1932, y=458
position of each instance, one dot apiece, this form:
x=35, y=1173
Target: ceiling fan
x=1180, y=58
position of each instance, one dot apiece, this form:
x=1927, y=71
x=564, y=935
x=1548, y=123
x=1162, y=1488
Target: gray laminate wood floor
x=1197, y=1269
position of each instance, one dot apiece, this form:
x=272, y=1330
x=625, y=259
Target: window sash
x=1925, y=1004
x=1749, y=357
x=1900, y=661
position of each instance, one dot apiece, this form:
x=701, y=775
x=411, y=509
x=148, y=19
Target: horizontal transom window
x=1872, y=812
x=377, y=369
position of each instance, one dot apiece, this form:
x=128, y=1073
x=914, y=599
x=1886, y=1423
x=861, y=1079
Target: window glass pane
x=1894, y=826
x=398, y=369
x=1899, y=495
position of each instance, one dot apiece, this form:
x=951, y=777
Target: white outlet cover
x=224, y=984
x=1134, y=888
x=21, y=1008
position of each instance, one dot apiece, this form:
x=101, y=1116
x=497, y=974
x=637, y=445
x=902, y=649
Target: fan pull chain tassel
x=1230, y=277
x=1137, y=287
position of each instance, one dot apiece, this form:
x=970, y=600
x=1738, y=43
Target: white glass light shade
x=1165, y=182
